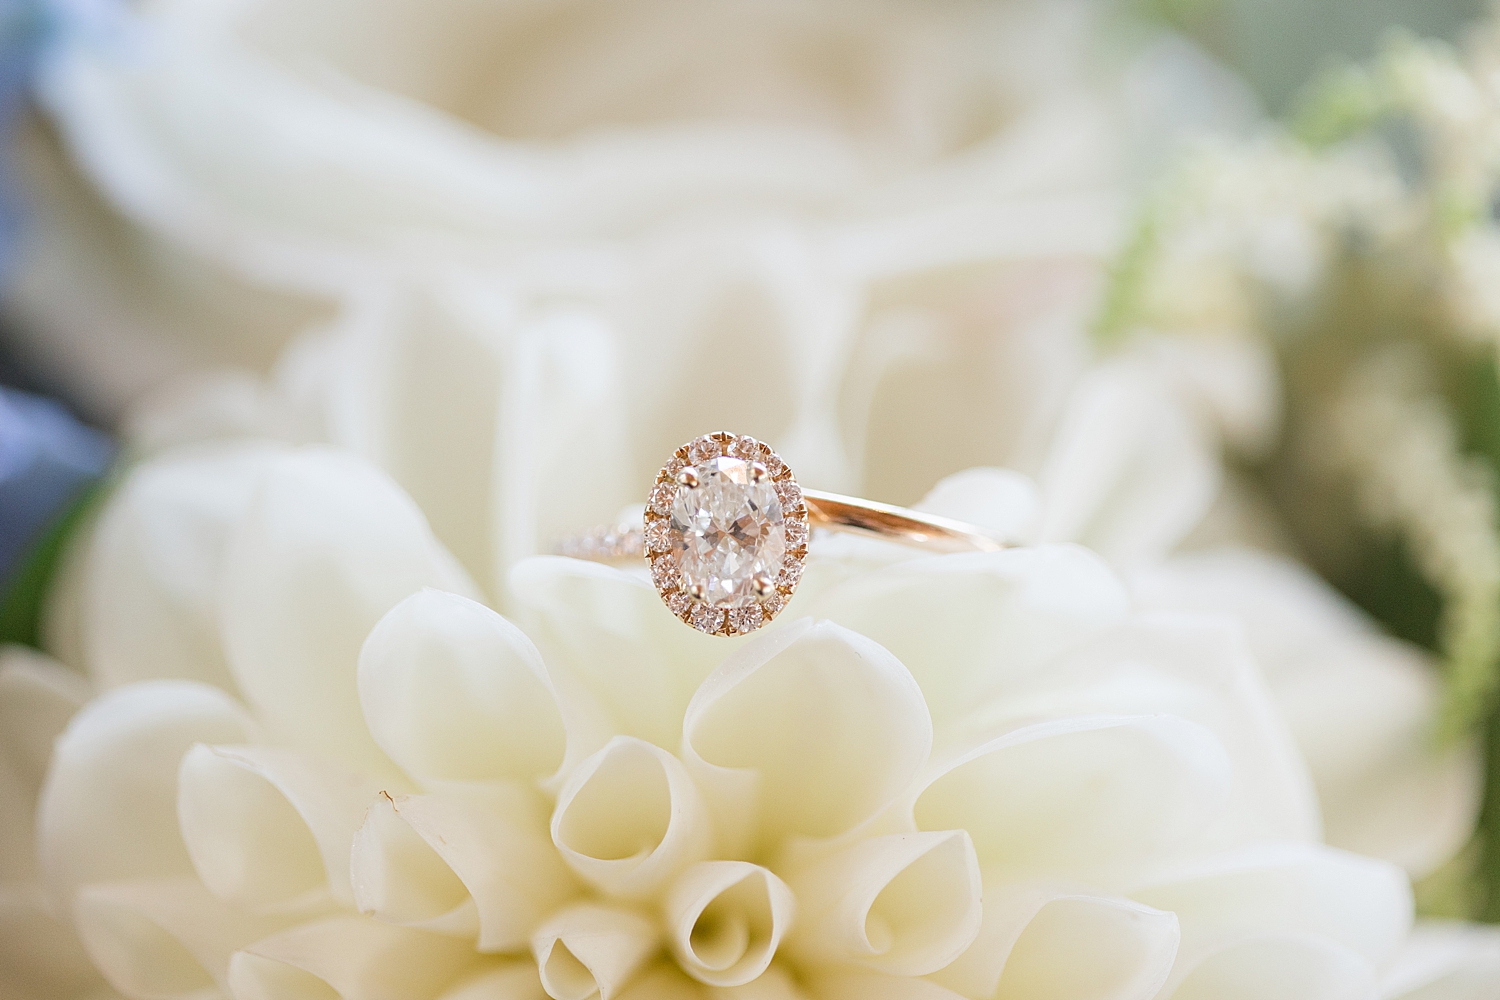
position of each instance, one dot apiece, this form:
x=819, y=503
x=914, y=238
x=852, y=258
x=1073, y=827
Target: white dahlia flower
x=317, y=766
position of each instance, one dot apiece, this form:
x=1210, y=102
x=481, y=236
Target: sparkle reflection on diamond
x=727, y=531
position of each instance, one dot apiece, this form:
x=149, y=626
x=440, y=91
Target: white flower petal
x=1360, y=705
x=513, y=980
x=967, y=625
x=1196, y=669
x=400, y=879
x=1055, y=942
x=773, y=984
x=453, y=691
x=629, y=818
x=610, y=630
x=330, y=545
x=843, y=985
x=108, y=810
x=155, y=562
x=906, y=904
x=39, y=954
x=37, y=698
x=473, y=862
x=164, y=938
x=1131, y=469
x=592, y=951
x=1298, y=890
x=444, y=383
x=1444, y=960
x=811, y=729
x=725, y=919
x=1086, y=797
x=664, y=981
x=1279, y=967
x=355, y=958
x=1001, y=501
x=270, y=828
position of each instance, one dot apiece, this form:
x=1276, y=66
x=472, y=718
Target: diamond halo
x=725, y=533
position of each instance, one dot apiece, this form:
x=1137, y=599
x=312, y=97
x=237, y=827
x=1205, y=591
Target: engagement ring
x=727, y=527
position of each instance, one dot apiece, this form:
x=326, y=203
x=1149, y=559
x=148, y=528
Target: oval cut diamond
x=727, y=530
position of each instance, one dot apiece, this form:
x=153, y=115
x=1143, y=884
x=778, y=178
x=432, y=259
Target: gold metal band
x=897, y=524
x=824, y=510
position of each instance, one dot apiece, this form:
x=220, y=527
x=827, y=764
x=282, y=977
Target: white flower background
x=390, y=296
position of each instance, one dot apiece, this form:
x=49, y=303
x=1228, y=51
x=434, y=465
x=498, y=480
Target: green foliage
x=23, y=601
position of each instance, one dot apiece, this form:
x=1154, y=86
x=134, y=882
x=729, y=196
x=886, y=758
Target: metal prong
x=758, y=472
x=697, y=593
x=763, y=586
x=688, y=478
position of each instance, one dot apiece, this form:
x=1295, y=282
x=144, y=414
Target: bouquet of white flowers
x=385, y=301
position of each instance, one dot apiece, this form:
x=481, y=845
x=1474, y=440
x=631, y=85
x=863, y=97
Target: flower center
x=727, y=531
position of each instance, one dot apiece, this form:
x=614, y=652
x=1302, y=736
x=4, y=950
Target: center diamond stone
x=727, y=531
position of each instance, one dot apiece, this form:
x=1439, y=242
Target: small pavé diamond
x=658, y=536
x=796, y=533
x=707, y=619
x=791, y=574
x=747, y=619
x=662, y=495
x=773, y=604
x=771, y=461
x=664, y=573
x=678, y=603
x=746, y=448
x=791, y=495
x=704, y=449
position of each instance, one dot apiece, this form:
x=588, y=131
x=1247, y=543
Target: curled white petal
x=399, y=879
x=355, y=958
x=1086, y=796
x=453, y=691
x=1055, y=942
x=810, y=729
x=328, y=546
x=475, y=863
x=108, y=810
x=164, y=938
x=630, y=817
x=270, y=828
x=725, y=919
x=590, y=950
x=905, y=904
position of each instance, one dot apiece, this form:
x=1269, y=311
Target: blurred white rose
x=263, y=164
x=963, y=776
